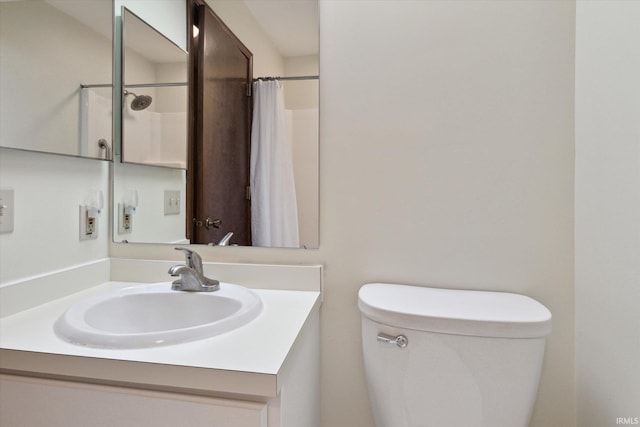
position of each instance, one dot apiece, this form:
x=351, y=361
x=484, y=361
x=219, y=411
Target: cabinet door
x=50, y=403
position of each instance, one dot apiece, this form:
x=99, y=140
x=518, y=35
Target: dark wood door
x=218, y=173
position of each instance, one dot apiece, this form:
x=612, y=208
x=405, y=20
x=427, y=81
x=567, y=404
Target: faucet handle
x=193, y=260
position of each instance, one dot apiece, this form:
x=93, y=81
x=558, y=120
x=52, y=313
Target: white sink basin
x=154, y=315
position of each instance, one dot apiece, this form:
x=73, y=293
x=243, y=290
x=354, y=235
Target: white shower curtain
x=274, y=212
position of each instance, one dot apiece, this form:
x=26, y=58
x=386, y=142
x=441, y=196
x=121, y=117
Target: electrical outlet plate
x=6, y=210
x=125, y=220
x=171, y=202
x=88, y=224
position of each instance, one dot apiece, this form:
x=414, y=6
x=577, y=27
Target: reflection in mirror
x=56, y=76
x=273, y=33
x=148, y=204
x=154, y=111
x=149, y=201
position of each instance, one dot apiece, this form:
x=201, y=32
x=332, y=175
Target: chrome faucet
x=225, y=240
x=192, y=277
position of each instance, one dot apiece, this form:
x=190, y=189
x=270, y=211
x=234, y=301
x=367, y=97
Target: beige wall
x=301, y=94
x=607, y=212
x=446, y=160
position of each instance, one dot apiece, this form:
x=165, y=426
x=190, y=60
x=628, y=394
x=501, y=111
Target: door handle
x=215, y=223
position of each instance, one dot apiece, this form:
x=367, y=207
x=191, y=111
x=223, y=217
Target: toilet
x=451, y=358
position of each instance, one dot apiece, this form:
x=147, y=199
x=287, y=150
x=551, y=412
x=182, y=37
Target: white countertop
x=245, y=361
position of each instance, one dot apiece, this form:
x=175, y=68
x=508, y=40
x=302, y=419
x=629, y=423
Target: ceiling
x=292, y=25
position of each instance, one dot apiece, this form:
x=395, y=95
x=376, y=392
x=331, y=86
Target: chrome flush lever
x=401, y=341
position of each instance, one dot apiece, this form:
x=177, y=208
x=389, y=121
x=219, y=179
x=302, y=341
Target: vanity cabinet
x=45, y=390
x=37, y=402
x=263, y=374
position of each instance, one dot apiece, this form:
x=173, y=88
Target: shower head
x=140, y=102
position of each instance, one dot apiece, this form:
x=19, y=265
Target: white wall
x=48, y=192
x=607, y=211
x=446, y=160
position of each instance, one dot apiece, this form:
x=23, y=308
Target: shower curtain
x=274, y=212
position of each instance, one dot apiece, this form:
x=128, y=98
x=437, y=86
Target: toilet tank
x=472, y=359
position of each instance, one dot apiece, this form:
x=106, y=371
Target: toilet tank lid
x=460, y=312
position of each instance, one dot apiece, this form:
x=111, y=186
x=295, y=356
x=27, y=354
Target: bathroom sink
x=154, y=315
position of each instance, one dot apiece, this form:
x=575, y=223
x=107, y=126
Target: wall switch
x=6, y=210
x=88, y=223
x=171, y=202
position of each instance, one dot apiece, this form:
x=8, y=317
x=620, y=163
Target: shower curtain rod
x=185, y=83
x=158, y=84
x=288, y=78
x=84, y=86
x=137, y=85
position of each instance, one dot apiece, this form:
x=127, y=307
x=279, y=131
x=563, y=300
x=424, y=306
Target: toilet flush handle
x=401, y=341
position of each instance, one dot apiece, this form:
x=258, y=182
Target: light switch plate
x=171, y=202
x=6, y=210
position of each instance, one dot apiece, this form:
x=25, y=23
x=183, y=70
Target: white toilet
x=451, y=358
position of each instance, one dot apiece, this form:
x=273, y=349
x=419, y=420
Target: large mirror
x=56, y=76
x=281, y=38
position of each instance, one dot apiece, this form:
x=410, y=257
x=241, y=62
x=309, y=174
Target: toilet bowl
x=451, y=358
